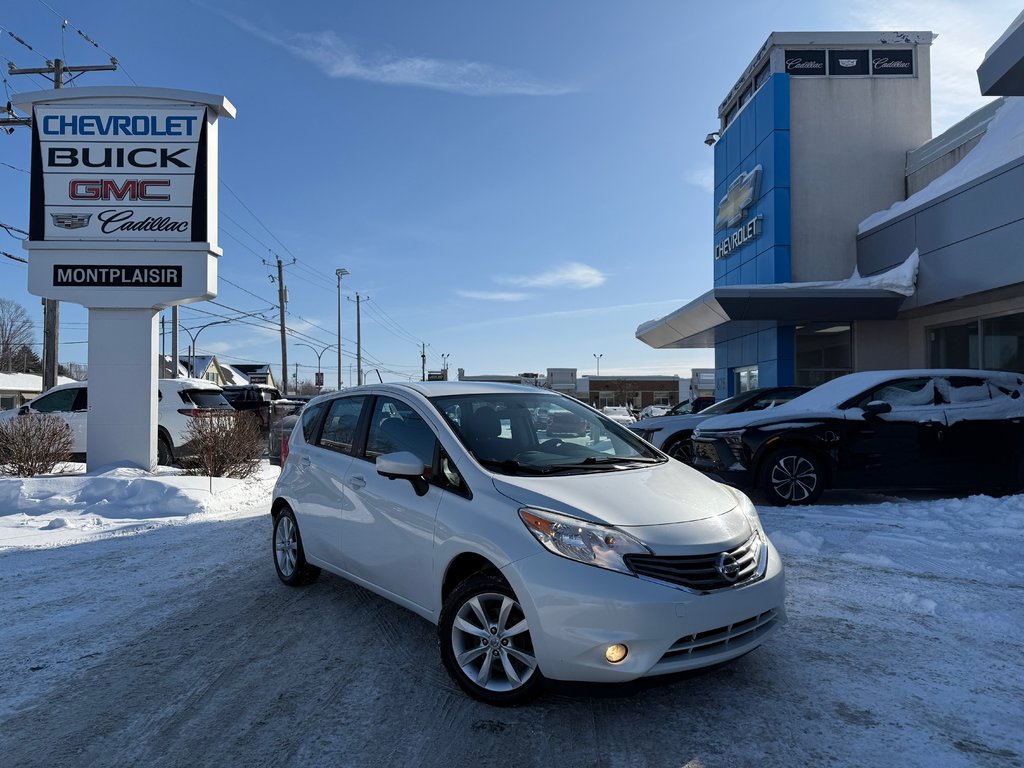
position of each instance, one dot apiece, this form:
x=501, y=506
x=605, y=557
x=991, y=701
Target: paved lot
x=180, y=647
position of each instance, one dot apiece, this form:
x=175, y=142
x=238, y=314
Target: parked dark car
x=671, y=433
x=696, y=405
x=255, y=398
x=960, y=430
x=565, y=424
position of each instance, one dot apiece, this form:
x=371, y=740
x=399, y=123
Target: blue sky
x=516, y=185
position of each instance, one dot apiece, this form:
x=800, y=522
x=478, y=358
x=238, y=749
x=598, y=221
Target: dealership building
x=845, y=237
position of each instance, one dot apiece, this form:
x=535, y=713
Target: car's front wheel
x=485, y=642
x=793, y=476
x=289, y=557
x=680, y=448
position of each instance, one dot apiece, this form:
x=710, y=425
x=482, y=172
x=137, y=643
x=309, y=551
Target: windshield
x=543, y=433
x=730, y=404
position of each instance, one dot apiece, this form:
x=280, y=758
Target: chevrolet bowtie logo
x=737, y=201
x=71, y=220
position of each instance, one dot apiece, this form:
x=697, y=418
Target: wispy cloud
x=702, y=177
x=964, y=32
x=493, y=295
x=572, y=275
x=337, y=59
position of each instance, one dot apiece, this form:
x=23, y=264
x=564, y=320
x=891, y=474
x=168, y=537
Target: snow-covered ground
x=141, y=623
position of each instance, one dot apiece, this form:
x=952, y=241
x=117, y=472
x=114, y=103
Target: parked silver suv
x=178, y=401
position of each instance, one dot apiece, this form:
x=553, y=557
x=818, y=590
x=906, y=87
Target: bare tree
x=15, y=332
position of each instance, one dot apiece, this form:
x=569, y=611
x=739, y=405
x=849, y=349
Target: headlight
x=746, y=506
x=720, y=434
x=583, y=542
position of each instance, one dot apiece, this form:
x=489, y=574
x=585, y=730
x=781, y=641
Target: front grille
x=739, y=635
x=705, y=573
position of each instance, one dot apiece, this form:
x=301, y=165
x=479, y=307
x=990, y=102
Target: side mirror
x=877, y=408
x=23, y=411
x=403, y=465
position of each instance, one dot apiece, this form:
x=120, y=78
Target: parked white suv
x=178, y=401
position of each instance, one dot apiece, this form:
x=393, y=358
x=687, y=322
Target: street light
x=598, y=358
x=318, y=356
x=194, y=336
x=340, y=273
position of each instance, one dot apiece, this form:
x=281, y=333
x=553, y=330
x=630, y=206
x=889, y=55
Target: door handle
x=356, y=482
x=304, y=462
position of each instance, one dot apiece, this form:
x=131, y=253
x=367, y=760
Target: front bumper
x=576, y=611
x=715, y=457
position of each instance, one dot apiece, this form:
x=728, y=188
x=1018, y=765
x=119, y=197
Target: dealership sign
x=123, y=199
x=119, y=173
x=733, y=210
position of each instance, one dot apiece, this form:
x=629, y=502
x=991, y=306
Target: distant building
x=257, y=373
x=632, y=391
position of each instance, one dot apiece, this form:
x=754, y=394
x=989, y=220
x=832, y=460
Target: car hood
x=661, y=494
x=661, y=423
x=778, y=414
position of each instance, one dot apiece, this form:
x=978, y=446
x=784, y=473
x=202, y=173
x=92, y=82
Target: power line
x=67, y=23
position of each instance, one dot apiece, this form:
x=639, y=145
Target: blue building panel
x=748, y=141
x=759, y=135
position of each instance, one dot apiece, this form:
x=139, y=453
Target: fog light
x=616, y=653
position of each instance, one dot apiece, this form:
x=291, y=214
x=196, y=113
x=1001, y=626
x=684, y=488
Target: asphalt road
x=153, y=657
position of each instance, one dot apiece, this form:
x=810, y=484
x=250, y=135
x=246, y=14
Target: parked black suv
x=880, y=430
x=256, y=398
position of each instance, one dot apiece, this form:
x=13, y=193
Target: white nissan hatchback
x=586, y=558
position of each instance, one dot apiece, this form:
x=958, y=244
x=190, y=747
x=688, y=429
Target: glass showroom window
x=994, y=343
x=746, y=379
x=662, y=398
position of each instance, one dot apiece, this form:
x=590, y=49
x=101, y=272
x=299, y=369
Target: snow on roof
x=1002, y=143
x=232, y=376
x=26, y=382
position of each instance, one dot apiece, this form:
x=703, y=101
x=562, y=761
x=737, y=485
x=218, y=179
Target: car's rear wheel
x=164, y=452
x=289, y=557
x=793, y=475
x=680, y=448
x=485, y=642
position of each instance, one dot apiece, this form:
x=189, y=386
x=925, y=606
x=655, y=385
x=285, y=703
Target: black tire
x=680, y=448
x=792, y=475
x=289, y=557
x=485, y=642
x=164, y=452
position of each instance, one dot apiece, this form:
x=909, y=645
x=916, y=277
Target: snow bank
x=55, y=510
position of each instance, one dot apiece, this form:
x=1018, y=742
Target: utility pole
x=340, y=273
x=359, y=345
x=282, y=301
x=423, y=361
x=51, y=308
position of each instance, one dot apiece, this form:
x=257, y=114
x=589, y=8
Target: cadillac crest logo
x=737, y=201
x=71, y=220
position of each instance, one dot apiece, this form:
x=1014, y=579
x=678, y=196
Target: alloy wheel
x=794, y=478
x=286, y=546
x=492, y=644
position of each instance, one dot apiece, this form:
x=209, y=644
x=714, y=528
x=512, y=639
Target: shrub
x=223, y=444
x=34, y=444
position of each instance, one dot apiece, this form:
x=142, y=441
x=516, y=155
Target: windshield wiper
x=603, y=462
x=621, y=460
x=514, y=467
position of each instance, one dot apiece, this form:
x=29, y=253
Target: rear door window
x=340, y=426
x=56, y=402
x=310, y=420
